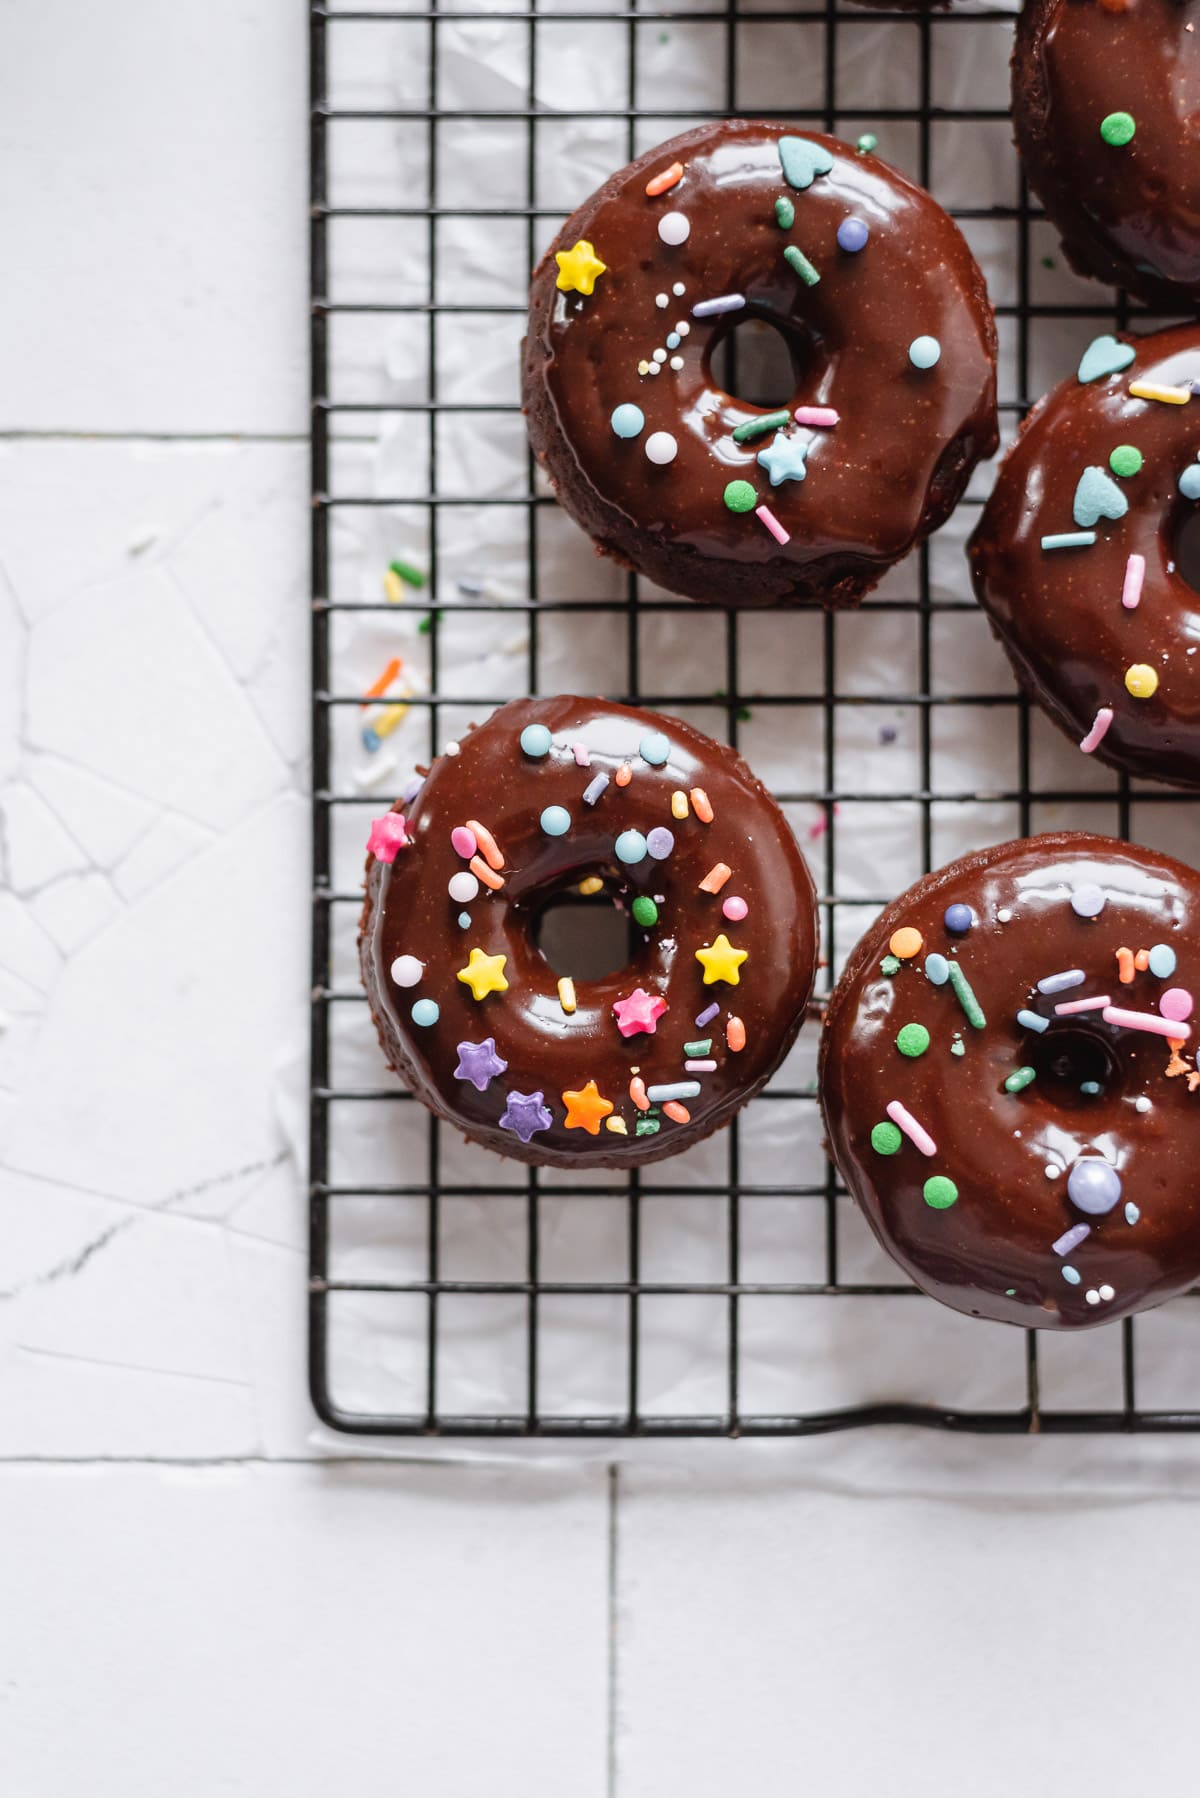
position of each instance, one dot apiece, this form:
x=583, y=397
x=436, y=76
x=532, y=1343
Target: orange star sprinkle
x=586, y=1109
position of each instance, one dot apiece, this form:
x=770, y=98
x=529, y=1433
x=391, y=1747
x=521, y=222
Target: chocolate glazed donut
x=1008, y=1083
x=892, y=342
x=548, y=796
x=1106, y=108
x=1075, y=557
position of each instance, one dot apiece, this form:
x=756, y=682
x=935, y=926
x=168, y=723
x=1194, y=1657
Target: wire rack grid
x=738, y=1295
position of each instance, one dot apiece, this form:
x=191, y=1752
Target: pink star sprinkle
x=388, y=834
x=639, y=1012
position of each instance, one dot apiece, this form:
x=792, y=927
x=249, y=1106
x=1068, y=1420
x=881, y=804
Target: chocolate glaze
x=890, y=471
x=1058, y=612
x=408, y=911
x=1128, y=214
x=991, y=1253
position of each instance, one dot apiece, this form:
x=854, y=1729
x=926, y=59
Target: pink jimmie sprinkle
x=388, y=835
x=823, y=418
x=582, y=755
x=1096, y=735
x=772, y=523
x=1135, y=574
x=1146, y=1020
x=1073, y=1005
x=916, y=1133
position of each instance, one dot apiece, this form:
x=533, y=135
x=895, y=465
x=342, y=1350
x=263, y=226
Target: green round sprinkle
x=940, y=1193
x=785, y=213
x=889, y=965
x=644, y=910
x=1125, y=459
x=1118, y=129
x=740, y=496
x=913, y=1040
x=866, y=143
x=1016, y=1083
x=886, y=1139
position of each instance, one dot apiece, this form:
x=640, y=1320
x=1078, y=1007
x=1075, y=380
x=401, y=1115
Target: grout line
x=612, y=1685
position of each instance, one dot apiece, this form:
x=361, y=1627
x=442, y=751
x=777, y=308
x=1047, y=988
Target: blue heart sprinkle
x=1097, y=496
x=803, y=161
x=1104, y=356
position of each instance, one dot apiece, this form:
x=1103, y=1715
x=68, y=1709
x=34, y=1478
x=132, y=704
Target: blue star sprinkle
x=525, y=1114
x=479, y=1063
x=784, y=460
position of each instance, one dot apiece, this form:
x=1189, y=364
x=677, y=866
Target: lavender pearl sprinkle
x=660, y=843
x=1093, y=1186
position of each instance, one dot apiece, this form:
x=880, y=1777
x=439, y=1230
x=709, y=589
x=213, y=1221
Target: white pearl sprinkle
x=1141, y=1104
x=661, y=447
x=662, y=299
x=676, y=361
x=1107, y=1292
x=654, y=368
x=678, y=289
x=1092, y=1296
x=682, y=327
x=660, y=355
x=1004, y=915
x=407, y=970
x=1052, y=1172
x=453, y=748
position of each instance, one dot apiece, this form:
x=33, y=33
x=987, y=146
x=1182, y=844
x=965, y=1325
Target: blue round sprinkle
x=937, y=969
x=631, y=847
x=852, y=234
x=1088, y=901
x=1093, y=1186
x=654, y=749
x=425, y=1012
x=464, y=920
x=1189, y=481
x=1162, y=961
x=1071, y=1275
x=924, y=352
x=1131, y=1213
x=535, y=739
x=556, y=820
x=958, y=918
x=660, y=843
x=628, y=421
x=673, y=340
x=1090, y=1086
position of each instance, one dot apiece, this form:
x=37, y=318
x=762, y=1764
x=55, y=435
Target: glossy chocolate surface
x=1059, y=612
x=885, y=475
x=549, y=1050
x=1129, y=213
x=992, y=1253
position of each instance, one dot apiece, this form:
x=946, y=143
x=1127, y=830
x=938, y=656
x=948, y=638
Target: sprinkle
x=677, y=362
x=1125, y=966
x=1168, y=396
x=765, y=515
x=639, y=1013
x=889, y=966
x=1104, y=356
x=912, y=1040
x=785, y=213
x=1100, y=722
x=624, y=775
x=487, y=842
x=1018, y=1081
x=692, y=1066
x=758, y=427
x=463, y=841
x=645, y=912
x=735, y=1036
x=1069, y=540
x=678, y=1089
x=740, y=496
x=1117, y=129
x=1189, y=482
x=646, y=1127
x=820, y=418
x=700, y=1047
x=674, y=228
x=1093, y=1185
x=678, y=1114
x=797, y=260
x=1088, y=901
x=802, y=161
x=654, y=748
x=1071, y=1239
x=1071, y=1276
x=1059, y=983
x=1032, y=1020
x=937, y=969
x=479, y=1063
x=1141, y=681
x=486, y=874
x=679, y=804
x=958, y=919
x=387, y=837
x=1177, y=1003
x=939, y=1193
x=381, y=721
x=618, y=1126
x=525, y=1114
x=886, y=1139
x=1141, y=960
x=852, y=235
x=594, y=789
x=425, y=1012
x=1125, y=460
x=1132, y=1214
x=678, y=288
x=716, y=877
x=578, y=268
x=916, y=1133
x=630, y=847
x=786, y=458
x=662, y=301
x=1162, y=961
x=393, y=588
x=924, y=352
x=707, y=1015
x=725, y=302
x=700, y=805
x=866, y=143
x=1135, y=574
x=966, y=997
x=405, y=572
x=484, y=974
x=661, y=184
x=637, y=1092
x=1072, y=1006
x=734, y=908
x=384, y=681
x=586, y=1109
x=661, y=448
x=1146, y=1020
x=591, y=885
x=406, y=970
x=628, y=421
x=462, y=888
x=906, y=942
x=1097, y=496
x=555, y=821
x=721, y=961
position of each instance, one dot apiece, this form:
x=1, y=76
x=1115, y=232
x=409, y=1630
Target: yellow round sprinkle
x=906, y=942
x=1141, y=680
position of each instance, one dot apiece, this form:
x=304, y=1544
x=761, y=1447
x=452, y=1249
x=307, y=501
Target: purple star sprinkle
x=525, y=1114
x=479, y=1063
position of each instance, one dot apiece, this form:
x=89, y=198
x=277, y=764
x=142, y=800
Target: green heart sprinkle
x=1125, y=460
x=886, y=1139
x=1118, y=129
x=913, y=1040
x=940, y=1193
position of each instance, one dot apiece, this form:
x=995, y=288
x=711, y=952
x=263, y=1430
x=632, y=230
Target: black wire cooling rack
x=417, y=1388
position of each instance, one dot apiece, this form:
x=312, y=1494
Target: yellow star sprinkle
x=578, y=268
x=484, y=974
x=721, y=961
x=585, y=1109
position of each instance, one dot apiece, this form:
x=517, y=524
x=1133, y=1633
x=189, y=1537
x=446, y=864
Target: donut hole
x=1070, y=1057
x=583, y=936
x=758, y=362
x=1185, y=545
